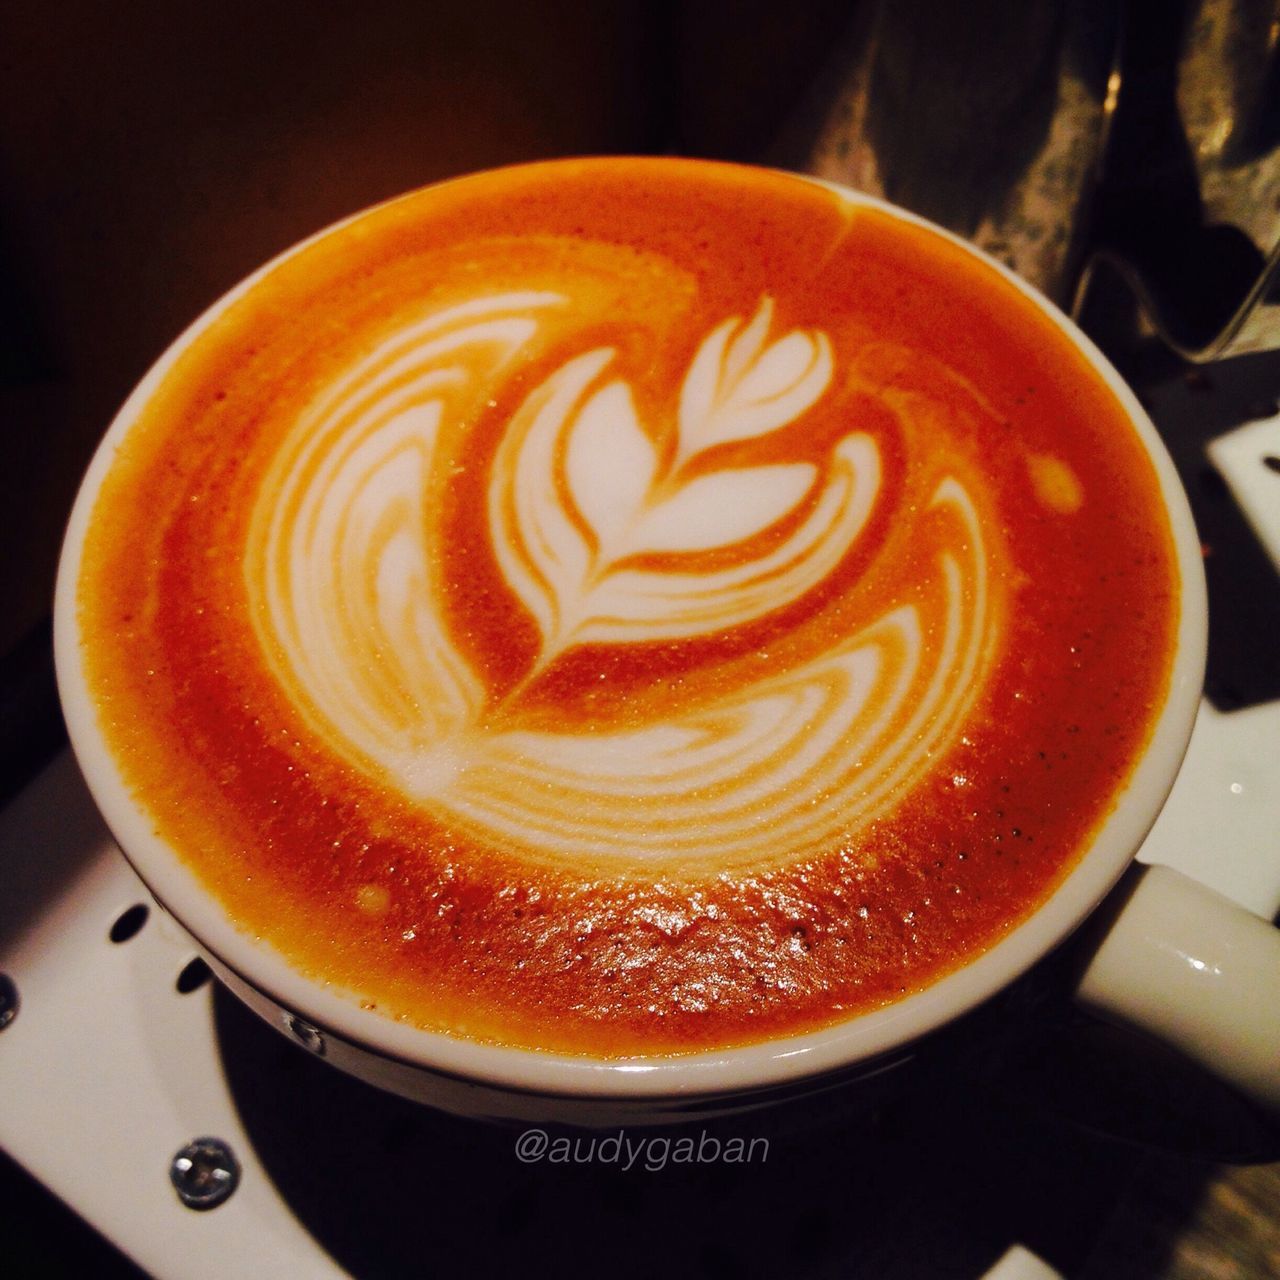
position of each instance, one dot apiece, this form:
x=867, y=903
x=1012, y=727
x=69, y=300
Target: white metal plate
x=1241, y=456
x=107, y=1070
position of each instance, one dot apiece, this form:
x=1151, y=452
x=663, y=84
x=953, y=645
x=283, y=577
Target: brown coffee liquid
x=629, y=606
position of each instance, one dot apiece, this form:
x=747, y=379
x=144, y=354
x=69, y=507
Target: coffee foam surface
x=628, y=606
x=603, y=525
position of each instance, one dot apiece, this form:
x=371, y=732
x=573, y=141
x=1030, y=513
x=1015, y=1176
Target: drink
x=629, y=606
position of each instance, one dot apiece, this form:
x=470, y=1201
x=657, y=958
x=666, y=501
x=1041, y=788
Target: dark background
x=152, y=154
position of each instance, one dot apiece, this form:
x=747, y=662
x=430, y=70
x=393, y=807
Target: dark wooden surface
x=1182, y=1221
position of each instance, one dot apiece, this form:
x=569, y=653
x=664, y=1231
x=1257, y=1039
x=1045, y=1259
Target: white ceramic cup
x=1178, y=960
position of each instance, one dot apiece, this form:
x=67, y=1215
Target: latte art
x=598, y=522
x=580, y=497
x=627, y=607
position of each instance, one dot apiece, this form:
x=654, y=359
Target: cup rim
x=757, y=1065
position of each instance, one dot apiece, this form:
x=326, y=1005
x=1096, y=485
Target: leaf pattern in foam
x=339, y=576
x=611, y=466
x=635, y=604
x=578, y=496
x=363, y=646
x=541, y=551
x=741, y=389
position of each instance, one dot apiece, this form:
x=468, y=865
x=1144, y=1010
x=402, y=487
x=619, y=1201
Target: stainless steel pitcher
x=1072, y=138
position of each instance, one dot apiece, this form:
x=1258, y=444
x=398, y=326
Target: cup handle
x=1189, y=966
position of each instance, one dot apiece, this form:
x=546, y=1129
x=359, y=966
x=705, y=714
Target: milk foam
x=602, y=525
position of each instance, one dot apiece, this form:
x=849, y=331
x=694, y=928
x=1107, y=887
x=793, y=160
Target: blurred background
x=151, y=154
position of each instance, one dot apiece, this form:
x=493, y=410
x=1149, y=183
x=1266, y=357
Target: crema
x=629, y=605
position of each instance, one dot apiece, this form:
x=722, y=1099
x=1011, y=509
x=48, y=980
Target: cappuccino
x=629, y=606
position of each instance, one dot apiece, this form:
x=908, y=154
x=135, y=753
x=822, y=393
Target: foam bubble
x=1054, y=483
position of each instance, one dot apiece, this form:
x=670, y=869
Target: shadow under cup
x=474, y=1075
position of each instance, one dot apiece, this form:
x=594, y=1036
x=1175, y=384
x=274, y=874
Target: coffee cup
x=614, y=639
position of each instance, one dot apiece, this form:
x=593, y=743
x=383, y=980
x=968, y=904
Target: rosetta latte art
x=609, y=530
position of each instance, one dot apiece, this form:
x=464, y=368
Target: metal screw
x=204, y=1173
x=9, y=1001
x=305, y=1034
